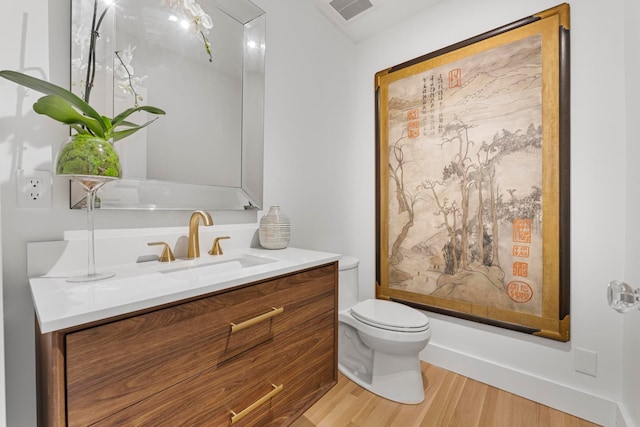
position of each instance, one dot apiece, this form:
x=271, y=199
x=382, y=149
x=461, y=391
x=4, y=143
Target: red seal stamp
x=455, y=78
x=519, y=291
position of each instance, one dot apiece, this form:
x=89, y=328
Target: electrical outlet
x=586, y=361
x=33, y=189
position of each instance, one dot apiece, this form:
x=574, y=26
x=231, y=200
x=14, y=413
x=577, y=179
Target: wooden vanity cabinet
x=268, y=346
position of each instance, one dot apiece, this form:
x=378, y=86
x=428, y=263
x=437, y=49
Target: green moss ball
x=88, y=155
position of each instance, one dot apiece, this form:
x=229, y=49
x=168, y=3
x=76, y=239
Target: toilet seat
x=390, y=315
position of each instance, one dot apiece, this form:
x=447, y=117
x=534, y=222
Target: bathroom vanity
x=254, y=345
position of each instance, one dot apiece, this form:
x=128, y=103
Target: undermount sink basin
x=234, y=263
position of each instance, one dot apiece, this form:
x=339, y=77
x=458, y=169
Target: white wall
x=3, y=394
x=631, y=334
x=538, y=368
x=309, y=151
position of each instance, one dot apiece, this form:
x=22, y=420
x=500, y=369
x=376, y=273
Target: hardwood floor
x=451, y=400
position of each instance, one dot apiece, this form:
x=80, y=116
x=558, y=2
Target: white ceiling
x=383, y=14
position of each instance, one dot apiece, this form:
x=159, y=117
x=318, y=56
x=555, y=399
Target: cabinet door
x=289, y=370
x=112, y=366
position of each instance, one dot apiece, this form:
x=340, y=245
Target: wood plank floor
x=451, y=400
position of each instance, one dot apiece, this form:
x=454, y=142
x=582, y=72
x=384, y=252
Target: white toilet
x=379, y=341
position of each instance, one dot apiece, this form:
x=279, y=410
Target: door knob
x=622, y=297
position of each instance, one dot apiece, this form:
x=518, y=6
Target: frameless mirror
x=202, y=61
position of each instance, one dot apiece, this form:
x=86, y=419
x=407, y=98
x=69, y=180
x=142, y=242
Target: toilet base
x=394, y=376
x=397, y=378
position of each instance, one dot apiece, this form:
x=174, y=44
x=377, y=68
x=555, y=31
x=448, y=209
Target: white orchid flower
x=195, y=18
x=194, y=12
x=200, y=21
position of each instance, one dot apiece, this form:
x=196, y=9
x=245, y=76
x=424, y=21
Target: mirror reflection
x=202, y=61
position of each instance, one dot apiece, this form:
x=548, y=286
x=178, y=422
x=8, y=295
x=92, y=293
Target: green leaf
x=58, y=109
x=51, y=89
x=128, y=124
x=106, y=121
x=124, y=133
x=80, y=130
x=152, y=110
x=129, y=111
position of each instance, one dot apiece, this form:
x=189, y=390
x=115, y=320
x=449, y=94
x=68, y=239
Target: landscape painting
x=472, y=161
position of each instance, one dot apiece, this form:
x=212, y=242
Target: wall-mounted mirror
x=202, y=61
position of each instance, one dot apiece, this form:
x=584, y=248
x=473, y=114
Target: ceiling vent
x=350, y=8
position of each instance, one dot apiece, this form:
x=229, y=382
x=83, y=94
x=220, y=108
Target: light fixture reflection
x=252, y=44
x=184, y=24
x=622, y=297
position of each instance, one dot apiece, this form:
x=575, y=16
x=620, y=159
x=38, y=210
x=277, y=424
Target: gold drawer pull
x=257, y=319
x=237, y=417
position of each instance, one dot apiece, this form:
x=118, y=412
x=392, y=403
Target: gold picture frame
x=473, y=178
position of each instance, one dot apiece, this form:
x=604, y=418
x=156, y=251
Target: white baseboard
x=555, y=395
x=624, y=418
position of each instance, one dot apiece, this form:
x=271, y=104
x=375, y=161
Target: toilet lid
x=390, y=315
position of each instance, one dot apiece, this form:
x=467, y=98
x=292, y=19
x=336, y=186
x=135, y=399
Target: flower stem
x=88, y=83
x=95, y=34
x=135, y=94
x=207, y=46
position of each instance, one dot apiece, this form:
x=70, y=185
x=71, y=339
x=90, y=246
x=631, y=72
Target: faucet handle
x=166, y=255
x=216, y=249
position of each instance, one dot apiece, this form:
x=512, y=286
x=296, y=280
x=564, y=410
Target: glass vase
x=91, y=162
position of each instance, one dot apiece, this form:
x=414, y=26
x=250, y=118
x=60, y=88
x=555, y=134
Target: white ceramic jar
x=275, y=229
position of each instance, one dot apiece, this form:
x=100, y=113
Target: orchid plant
x=67, y=108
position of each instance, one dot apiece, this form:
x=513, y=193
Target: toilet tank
x=347, y=282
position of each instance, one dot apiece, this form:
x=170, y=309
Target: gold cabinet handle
x=237, y=417
x=257, y=319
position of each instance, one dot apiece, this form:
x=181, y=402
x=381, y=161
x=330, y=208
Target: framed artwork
x=473, y=178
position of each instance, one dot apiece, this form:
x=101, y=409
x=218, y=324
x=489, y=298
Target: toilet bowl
x=379, y=341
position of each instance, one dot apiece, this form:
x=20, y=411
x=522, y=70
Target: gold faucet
x=193, y=251
x=167, y=254
x=216, y=249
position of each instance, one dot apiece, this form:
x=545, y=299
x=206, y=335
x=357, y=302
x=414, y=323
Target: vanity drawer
x=112, y=366
x=292, y=366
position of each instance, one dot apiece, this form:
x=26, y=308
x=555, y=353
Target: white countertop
x=60, y=304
